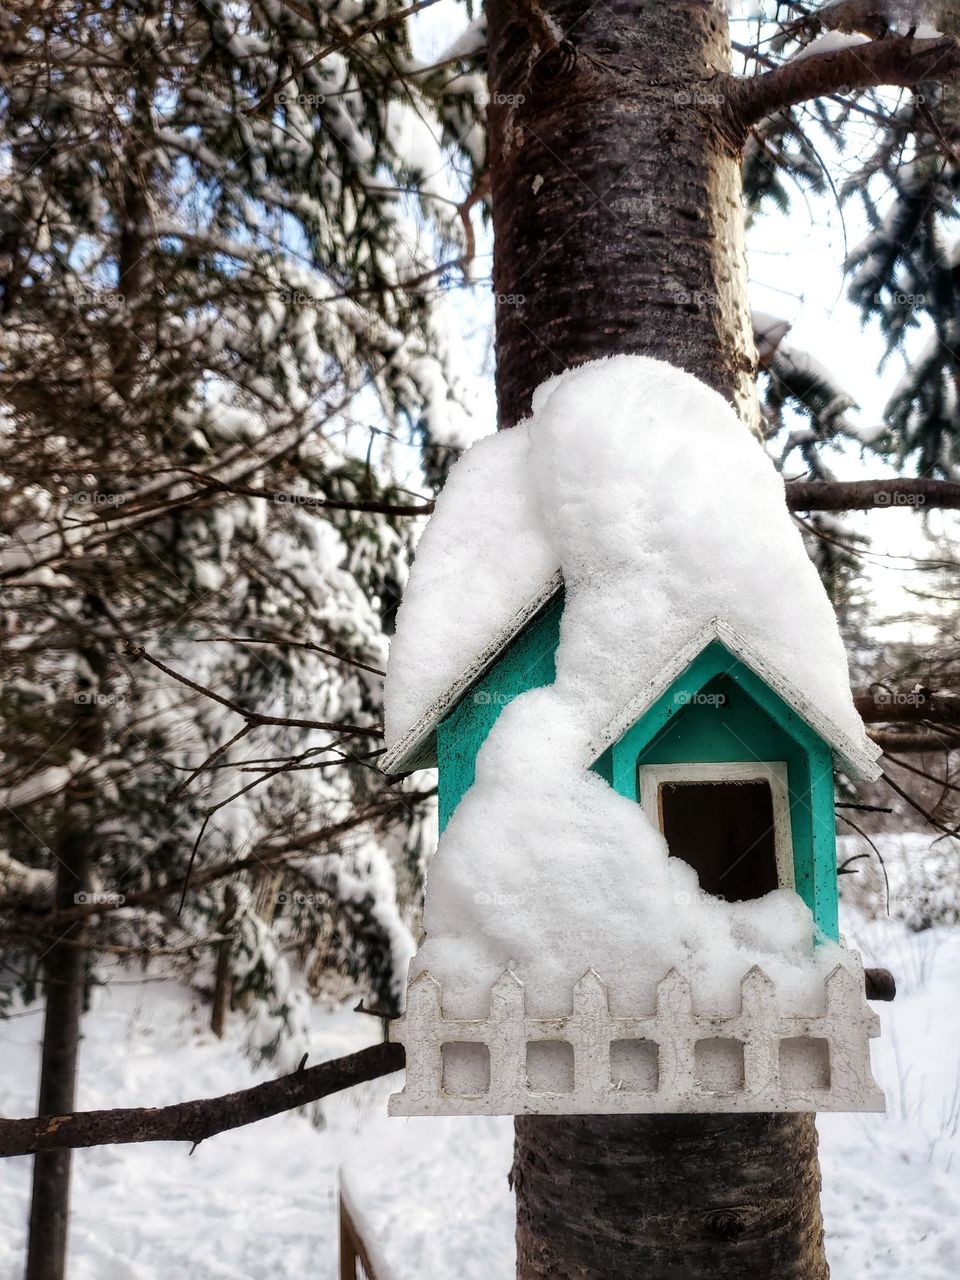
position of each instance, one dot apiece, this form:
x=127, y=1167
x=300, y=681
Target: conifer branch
x=894, y=60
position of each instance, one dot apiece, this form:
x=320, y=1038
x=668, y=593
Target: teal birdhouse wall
x=739, y=782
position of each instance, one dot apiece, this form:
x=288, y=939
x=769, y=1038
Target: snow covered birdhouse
x=618, y=655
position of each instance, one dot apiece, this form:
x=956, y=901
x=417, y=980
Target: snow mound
x=635, y=471
x=662, y=513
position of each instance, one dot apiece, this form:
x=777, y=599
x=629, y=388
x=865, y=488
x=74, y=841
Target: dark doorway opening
x=725, y=830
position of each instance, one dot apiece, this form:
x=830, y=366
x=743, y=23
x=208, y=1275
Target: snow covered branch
x=201, y=1118
x=264, y=856
x=309, y=502
x=336, y=46
x=894, y=60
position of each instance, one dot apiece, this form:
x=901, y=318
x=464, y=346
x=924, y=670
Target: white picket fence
x=756, y=1060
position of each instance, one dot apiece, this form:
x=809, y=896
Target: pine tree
x=225, y=235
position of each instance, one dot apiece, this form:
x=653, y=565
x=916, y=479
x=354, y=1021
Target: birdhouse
x=660, y=714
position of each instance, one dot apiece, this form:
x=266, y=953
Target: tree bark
x=616, y=196
x=619, y=227
x=667, y=1197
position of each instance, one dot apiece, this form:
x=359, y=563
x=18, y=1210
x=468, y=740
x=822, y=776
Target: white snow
x=481, y=557
x=768, y=332
x=432, y=1193
x=830, y=42
x=662, y=513
x=635, y=470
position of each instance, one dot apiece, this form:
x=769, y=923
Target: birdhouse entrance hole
x=730, y=822
x=725, y=831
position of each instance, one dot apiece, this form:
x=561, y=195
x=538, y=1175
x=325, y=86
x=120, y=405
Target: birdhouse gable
x=717, y=649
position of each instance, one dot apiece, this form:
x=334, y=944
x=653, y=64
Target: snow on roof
x=481, y=560
x=636, y=476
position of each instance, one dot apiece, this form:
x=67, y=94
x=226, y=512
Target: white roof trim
x=417, y=748
x=858, y=757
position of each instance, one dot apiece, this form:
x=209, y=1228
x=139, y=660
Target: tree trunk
x=64, y=966
x=619, y=228
x=616, y=197
x=667, y=1197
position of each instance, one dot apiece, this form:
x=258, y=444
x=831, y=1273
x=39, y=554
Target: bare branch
x=263, y=856
x=374, y=506
x=201, y=1118
x=865, y=495
x=918, y=808
x=893, y=741
x=252, y=717
x=922, y=706
x=894, y=60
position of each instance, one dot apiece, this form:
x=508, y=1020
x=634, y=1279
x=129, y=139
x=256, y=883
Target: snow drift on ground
x=662, y=513
x=260, y=1202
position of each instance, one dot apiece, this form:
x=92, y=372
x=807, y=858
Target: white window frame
x=774, y=772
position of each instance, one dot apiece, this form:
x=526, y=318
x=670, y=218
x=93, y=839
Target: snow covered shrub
x=923, y=874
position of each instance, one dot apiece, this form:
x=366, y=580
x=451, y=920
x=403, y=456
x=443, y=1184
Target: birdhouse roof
x=637, y=491
x=417, y=748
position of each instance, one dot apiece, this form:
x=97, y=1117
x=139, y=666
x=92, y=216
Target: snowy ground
x=260, y=1203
